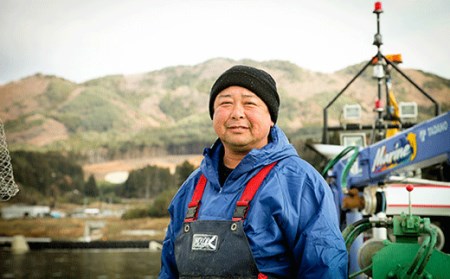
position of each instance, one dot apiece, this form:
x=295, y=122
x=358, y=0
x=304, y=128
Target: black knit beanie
x=255, y=80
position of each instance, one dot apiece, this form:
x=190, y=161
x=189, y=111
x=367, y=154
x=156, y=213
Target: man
x=253, y=209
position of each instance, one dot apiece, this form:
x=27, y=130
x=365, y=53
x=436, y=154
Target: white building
x=21, y=211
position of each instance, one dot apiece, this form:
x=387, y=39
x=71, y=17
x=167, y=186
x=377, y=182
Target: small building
x=24, y=211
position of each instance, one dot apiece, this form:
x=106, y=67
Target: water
x=83, y=263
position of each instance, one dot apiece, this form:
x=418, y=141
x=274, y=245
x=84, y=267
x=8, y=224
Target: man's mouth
x=237, y=128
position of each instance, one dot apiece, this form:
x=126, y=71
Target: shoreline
x=47, y=243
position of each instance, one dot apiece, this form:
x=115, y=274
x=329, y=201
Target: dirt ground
x=100, y=170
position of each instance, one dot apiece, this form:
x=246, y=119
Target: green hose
x=423, y=255
x=347, y=167
x=333, y=161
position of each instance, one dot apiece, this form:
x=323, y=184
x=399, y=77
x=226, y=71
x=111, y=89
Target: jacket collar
x=277, y=149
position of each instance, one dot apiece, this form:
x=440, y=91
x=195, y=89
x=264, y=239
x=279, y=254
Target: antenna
x=381, y=72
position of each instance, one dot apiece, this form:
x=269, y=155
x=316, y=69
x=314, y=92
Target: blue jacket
x=291, y=224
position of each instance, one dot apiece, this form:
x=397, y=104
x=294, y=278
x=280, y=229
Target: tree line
x=51, y=177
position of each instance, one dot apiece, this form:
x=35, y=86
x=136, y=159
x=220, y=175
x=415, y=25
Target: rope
x=8, y=188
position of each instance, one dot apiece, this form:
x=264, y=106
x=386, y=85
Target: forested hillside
x=50, y=178
x=165, y=112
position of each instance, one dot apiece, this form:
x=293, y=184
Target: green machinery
x=411, y=255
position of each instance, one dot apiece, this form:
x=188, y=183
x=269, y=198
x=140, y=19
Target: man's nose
x=238, y=111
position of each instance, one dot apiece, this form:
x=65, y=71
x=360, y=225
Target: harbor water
x=80, y=263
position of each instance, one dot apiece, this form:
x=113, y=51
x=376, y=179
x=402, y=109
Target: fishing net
x=8, y=188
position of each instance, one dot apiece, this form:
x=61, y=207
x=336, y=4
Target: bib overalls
x=218, y=248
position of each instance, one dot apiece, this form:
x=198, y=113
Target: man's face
x=241, y=119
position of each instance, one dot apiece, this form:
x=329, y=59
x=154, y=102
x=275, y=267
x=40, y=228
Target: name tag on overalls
x=204, y=242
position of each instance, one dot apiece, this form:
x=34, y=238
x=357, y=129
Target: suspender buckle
x=241, y=210
x=191, y=212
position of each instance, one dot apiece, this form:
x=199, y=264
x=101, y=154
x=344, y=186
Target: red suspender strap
x=250, y=190
x=241, y=205
x=194, y=205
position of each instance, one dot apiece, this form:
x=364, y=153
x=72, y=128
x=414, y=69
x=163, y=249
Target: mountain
x=166, y=111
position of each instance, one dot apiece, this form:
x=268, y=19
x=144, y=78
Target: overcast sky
x=80, y=40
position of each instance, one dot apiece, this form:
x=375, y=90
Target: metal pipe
x=436, y=105
x=325, y=114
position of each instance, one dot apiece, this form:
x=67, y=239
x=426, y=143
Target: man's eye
x=225, y=103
